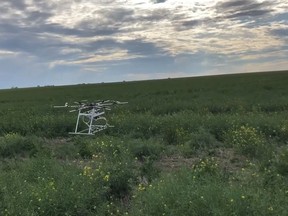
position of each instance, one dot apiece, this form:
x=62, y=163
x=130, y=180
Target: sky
x=63, y=42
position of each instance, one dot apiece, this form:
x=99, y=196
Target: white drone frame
x=92, y=116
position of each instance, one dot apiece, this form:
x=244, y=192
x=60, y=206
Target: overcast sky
x=60, y=42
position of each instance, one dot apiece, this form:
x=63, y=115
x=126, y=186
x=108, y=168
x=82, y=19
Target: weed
x=247, y=140
x=13, y=144
x=142, y=149
x=281, y=162
x=200, y=140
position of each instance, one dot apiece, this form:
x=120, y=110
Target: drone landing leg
x=89, y=125
x=91, y=121
x=77, y=123
x=77, y=126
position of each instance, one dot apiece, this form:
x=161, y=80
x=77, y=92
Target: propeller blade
x=118, y=102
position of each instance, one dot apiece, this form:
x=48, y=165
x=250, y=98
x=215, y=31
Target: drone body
x=92, y=116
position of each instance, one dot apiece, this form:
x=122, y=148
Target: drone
x=91, y=115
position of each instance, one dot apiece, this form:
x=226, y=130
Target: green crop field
x=212, y=145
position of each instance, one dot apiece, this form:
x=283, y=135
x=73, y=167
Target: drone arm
x=59, y=106
x=120, y=103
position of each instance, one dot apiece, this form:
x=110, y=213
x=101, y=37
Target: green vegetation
x=190, y=146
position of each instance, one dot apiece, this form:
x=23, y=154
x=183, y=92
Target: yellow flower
x=270, y=208
x=141, y=187
x=106, y=178
x=87, y=171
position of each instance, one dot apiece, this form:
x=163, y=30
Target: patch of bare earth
x=226, y=159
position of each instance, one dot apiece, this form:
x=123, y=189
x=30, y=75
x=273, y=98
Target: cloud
x=150, y=35
x=5, y=53
x=244, y=8
x=158, y=1
x=243, y=5
x=17, y=4
x=282, y=32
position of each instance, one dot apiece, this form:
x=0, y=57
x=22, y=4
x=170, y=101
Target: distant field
x=212, y=145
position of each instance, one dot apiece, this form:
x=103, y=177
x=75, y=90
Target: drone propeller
x=99, y=104
x=120, y=103
x=78, y=102
x=65, y=105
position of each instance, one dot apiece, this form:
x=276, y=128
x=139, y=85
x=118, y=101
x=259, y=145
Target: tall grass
x=203, y=191
x=191, y=146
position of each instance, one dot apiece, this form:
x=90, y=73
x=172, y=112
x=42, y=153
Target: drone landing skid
x=92, y=120
x=86, y=131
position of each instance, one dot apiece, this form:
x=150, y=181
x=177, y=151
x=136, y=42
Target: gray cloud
x=109, y=21
x=141, y=47
x=32, y=45
x=38, y=17
x=158, y=1
x=192, y=23
x=281, y=32
x=154, y=16
x=133, y=47
x=243, y=8
x=195, y=23
x=6, y=28
x=100, y=44
x=81, y=31
x=17, y=4
x=242, y=5
x=116, y=14
x=251, y=13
